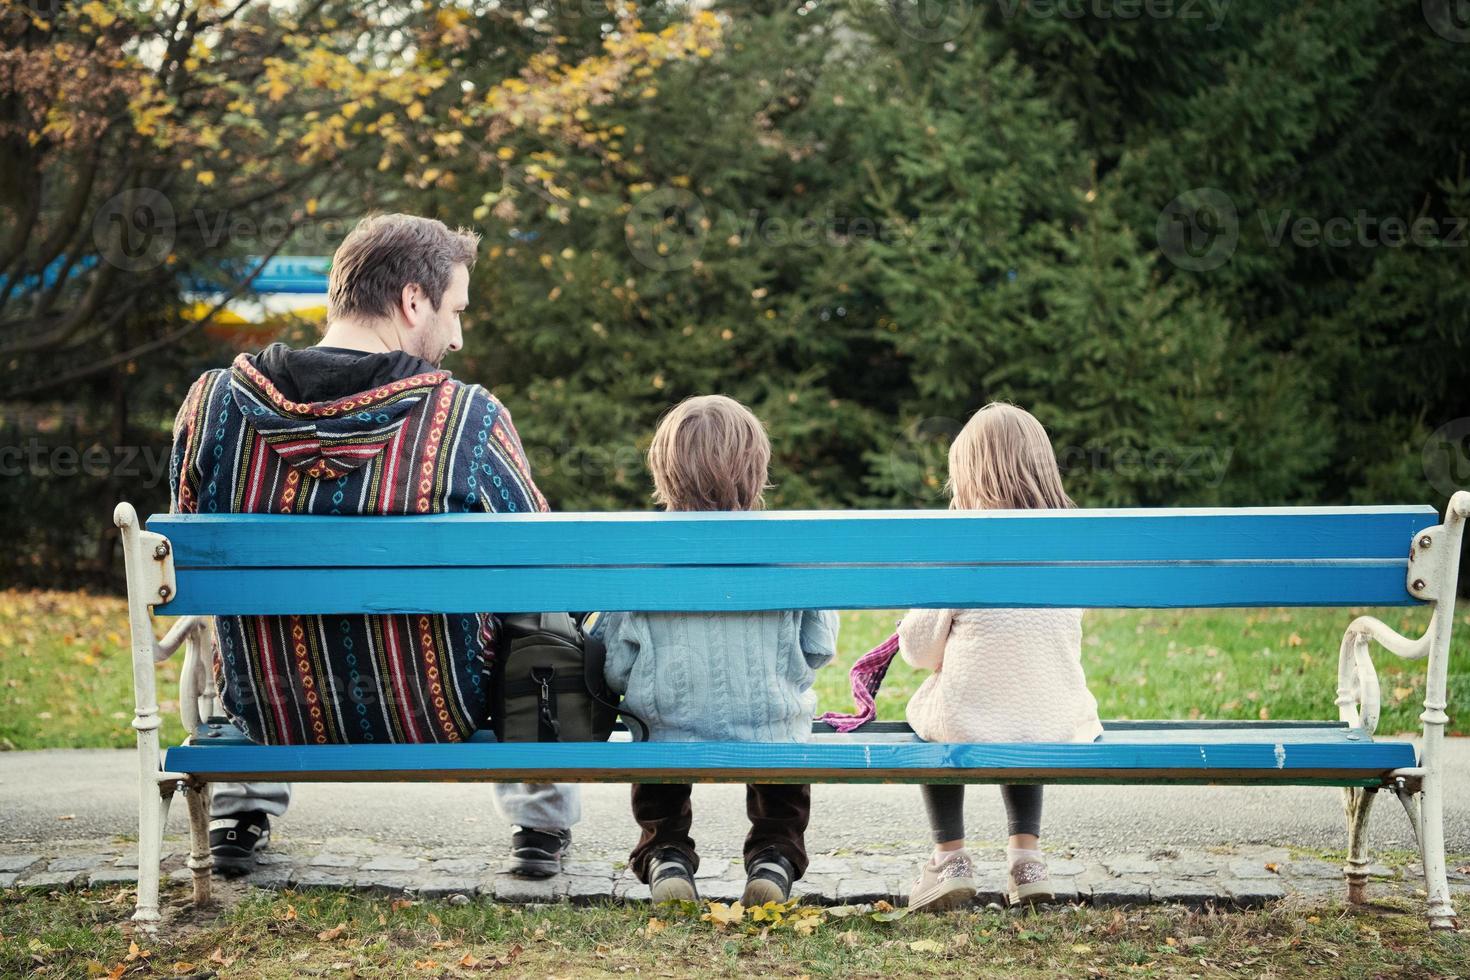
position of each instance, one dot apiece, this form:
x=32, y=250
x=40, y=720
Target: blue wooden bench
x=198, y=566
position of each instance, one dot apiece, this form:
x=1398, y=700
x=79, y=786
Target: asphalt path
x=70, y=795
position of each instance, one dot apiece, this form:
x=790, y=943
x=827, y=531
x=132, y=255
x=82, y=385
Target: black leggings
x=946, y=806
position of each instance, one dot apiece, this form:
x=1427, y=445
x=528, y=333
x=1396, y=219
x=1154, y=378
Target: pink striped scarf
x=866, y=676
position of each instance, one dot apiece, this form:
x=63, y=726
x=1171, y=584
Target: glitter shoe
x=950, y=885
x=1030, y=883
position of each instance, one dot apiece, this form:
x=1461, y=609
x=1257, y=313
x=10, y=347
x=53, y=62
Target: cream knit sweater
x=1000, y=675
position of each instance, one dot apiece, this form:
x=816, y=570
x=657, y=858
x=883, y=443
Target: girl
x=743, y=676
x=1000, y=675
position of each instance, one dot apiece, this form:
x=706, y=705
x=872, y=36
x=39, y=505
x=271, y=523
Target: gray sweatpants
x=536, y=806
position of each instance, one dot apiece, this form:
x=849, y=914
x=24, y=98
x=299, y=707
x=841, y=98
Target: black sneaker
x=768, y=879
x=234, y=841
x=671, y=877
x=538, y=853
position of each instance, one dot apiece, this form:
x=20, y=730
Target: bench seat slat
x=767, y=538
x=261, y=591
x=1270, y=755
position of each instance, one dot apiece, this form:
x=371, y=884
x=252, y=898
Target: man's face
x=437, y=332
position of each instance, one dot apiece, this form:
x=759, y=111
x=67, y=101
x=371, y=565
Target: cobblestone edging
x=1240, y=877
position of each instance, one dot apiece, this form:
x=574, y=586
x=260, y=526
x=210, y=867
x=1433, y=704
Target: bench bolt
x=160, y=551
x=1425, y=541
x=164, y=592
x=1418, y=585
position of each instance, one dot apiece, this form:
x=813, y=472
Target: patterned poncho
x=418, y=445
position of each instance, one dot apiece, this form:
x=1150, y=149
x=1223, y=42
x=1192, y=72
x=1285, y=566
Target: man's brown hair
x=386, y=252
x=709, y=453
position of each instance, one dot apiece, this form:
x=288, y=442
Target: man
x=365, y=422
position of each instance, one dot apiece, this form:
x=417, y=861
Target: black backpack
x=547, y=684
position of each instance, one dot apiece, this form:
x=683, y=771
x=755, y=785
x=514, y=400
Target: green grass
x=66, y=678
x=312, y=934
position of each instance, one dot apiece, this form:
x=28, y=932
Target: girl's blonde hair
x=1003, y=460
x=709, y=453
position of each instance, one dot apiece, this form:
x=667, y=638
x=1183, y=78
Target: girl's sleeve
x=818, y=636
x=922, y=635
x=616, y=630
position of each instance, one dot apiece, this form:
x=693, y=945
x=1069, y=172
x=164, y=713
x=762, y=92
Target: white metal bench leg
x=1434, y=566
x=1441, y=910
x=201, y=861
x=150, y=581
x=152, y=815
x=1358, y=803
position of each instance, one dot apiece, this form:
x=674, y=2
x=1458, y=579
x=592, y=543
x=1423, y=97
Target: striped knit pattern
x=421, y=445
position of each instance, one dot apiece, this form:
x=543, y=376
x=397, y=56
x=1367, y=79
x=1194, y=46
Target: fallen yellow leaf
x=327, y=935
x=722, y=915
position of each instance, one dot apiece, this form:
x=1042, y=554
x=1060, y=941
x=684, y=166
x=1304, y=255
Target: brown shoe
x=950, y=885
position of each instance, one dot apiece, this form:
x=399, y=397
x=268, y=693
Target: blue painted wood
x=506, y=590
x=794, y=537
x=1127, y=762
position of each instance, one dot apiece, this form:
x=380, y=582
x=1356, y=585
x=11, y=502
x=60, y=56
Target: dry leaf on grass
x=926, y=946
x=327, y=935
x=721, y=915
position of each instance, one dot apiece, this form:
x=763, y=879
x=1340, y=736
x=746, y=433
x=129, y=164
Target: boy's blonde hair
x=709, y=453
x=1003, y=460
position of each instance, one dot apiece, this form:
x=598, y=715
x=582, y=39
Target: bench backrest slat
x=268, y=564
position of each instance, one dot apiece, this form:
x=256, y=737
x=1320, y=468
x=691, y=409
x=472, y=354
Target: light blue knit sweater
x=743, y=677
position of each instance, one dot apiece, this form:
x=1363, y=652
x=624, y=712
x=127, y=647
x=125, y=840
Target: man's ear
x=413, y=303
